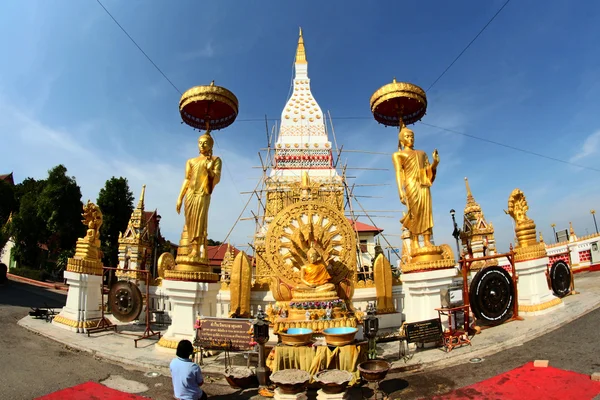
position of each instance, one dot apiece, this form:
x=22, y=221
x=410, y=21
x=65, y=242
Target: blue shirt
x=186, y=379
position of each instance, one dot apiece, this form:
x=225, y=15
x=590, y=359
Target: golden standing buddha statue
x=414, y=176
x=202, y=174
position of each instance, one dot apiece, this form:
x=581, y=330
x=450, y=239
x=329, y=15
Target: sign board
x=424, y=331
x=562, y=236
x=224, y=333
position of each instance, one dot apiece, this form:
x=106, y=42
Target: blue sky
x=75, y=90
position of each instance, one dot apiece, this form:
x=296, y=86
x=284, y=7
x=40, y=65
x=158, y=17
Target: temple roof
x=362, y=227
x=8, y=178
x=474, y=222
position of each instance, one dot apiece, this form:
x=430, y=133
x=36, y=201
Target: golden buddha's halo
x=293, y=230
x=210, y=104
x=398, y=101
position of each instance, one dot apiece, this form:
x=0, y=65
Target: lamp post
x=554, y=230
x=156, y=237
x=371, y=326
x=455, y=233
x=593, y=212
x=261, y=336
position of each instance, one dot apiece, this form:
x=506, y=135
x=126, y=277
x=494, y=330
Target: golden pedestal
x=430, y=258
x=190, y=268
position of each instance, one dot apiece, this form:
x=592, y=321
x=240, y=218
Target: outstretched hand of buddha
x=436, y=157
x=209, y=166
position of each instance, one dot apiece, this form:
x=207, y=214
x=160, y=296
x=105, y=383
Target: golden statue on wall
x=202, y=174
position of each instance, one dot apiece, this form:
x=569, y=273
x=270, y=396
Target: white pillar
x=82, y=310
x=535, y=297
x=422, y=293
x=188, y=300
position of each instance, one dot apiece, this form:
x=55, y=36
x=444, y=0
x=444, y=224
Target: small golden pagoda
x=478, y=234
x=135, y=247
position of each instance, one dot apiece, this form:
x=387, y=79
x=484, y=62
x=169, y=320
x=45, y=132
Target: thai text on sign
x=225, y=333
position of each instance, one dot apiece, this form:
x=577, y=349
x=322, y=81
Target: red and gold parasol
x=208, y=107
x=398, y=103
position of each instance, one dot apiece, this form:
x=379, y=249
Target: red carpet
x=528, y=382
x=90, y=391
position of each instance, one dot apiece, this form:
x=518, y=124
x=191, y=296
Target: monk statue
x=314, y=275
x=202, y=174
x=414, y=176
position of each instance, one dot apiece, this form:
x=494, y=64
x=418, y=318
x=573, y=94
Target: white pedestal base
x=188, y=300
x=422, y=293
x=321, y=395
x=535, y=298
x=82, y=310
x=281, y=396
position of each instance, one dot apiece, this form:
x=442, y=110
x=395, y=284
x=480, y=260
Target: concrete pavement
x=120, y=347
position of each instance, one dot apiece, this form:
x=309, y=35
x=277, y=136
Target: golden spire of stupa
x=300, y=51
x=471, y=205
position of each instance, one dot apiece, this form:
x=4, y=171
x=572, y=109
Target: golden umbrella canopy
x=398, y=103
x=208, y=107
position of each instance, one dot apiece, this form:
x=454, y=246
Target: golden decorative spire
x=300, y=51
x=571, y=230
x=141, y=201
x=471, y=205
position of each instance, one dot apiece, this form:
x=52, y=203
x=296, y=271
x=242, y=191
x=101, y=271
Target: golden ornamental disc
x=166, y=262
x=299, y=225
x=398, y=100
x=209, y=103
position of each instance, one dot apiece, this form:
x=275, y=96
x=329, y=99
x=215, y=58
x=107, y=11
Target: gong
x=492, y=295
x=125, y=301
x=560, y=278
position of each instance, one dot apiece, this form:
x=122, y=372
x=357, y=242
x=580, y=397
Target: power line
x=363, y=118
x=469, y=45
x=139, y=48
x=508, y=146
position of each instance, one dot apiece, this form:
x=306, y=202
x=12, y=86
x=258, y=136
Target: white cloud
x=590, y=146
x=207, y=51
x=30, y=148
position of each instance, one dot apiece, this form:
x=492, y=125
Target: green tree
x=116, y=203
x=211, y=242
x=28, y=230
x=59, y=205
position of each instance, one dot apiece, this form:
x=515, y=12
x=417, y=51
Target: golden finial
x=141, y=201
x=300, y=51
x=571, y=230
x=469, y=194
x=541, y=237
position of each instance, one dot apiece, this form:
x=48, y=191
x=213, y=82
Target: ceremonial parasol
x=208, y=107
x=398, y=104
